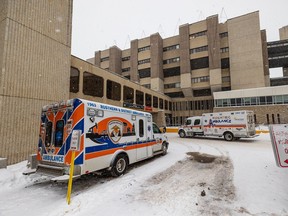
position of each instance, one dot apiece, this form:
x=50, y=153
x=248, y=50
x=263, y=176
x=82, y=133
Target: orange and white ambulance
x=110, y=138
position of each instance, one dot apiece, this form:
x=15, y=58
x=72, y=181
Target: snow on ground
x=243, y=180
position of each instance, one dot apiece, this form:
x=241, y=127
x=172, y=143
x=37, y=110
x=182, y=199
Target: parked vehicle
x=231, y=125
x=111, y=138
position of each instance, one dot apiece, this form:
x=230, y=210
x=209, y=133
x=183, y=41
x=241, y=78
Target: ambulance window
x=59, y=133
x=197, y=122
x=156, y=130
x=188, y=121
x=141, y=128
x=48, y=134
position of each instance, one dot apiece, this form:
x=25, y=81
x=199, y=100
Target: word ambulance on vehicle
x=110, y=138
x=231, y=125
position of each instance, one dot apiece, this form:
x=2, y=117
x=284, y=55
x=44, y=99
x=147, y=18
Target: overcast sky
x=98, y=25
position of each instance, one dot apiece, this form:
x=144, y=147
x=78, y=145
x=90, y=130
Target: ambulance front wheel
x=120, y=165
x=182, y=134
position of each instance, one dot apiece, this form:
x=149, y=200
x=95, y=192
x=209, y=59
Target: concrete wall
x=283, y=33
x=35, y=57
x=245, y=49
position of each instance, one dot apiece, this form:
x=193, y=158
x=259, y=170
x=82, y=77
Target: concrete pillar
x=115, y=60
x=97, y=59
x=185, y=68
x=134, y=61
x=214, y=53
x=157, y=77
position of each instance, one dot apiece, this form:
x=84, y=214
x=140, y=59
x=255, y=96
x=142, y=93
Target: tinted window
x=92, y=85
x=74, y=80
x=113, y=90
x=59, y=133
x=48, y=134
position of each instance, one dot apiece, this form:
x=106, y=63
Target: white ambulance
x=111, y=138
x=231, y=125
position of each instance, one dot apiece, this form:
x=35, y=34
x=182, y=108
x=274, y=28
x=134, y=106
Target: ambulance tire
x=182, y=134
x=120, y=165
x=228, y=136
x=164, y=149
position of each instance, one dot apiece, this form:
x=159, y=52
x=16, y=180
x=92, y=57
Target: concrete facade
x=245, y=52
x=35, y=48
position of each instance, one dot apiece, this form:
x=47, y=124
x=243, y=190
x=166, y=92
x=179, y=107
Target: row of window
x=200, y=79
x=196, y=93
x=125, y=69
x=193, y=105
x=143, y=48
x=198, y=34
x=224, y=49
x=173, y=47
x=172, y=60
x=104, y=59
x=199, y=49
x=93, y=85
x=172, y=85
x=252, y=101
x=144, y=61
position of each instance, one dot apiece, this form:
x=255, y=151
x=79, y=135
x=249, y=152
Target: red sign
x=148, y=108
x=279, y=139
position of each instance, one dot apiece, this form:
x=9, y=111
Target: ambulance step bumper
x=50, y=170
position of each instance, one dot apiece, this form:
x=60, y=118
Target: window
x=59, y=133
x=127, y=58
x=170, y=106
x=155, y=102
x=74, y=80
x=198, y=34
x=104, y=59
x=113, y=90
x=48, y=135
x=172, y=60
x=156, y=130
x=199, y=63
x=144, y=61
x=172, y=85
x=223, y=34
x=278, y=118
x=197, y=122
x=166, y=104
x=225, y=79
x=199, y=49
x=175, y=94
x=92, y=85
x=200, y=79
x=224, y=49
x=148, y=100
x=202, y=92
x=144, y=73
x=127, y=77
x=128, y=94
x=171, y=72
x=125, y=69
x=225, y=63
x=143, y=48
x=147, y=86
x=173, y=47
x=141, y=128
x=139, y=97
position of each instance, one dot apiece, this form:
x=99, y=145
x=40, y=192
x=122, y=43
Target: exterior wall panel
x=35, y=69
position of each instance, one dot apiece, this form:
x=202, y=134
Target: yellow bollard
x=70, y=178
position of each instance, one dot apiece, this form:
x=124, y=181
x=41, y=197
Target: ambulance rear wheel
x=182, y=134
x=119, y=166
x=228, y=136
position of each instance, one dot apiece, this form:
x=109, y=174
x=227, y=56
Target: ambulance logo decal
x=115, y=130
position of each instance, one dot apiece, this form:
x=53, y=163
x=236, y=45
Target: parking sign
x=279, y=140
